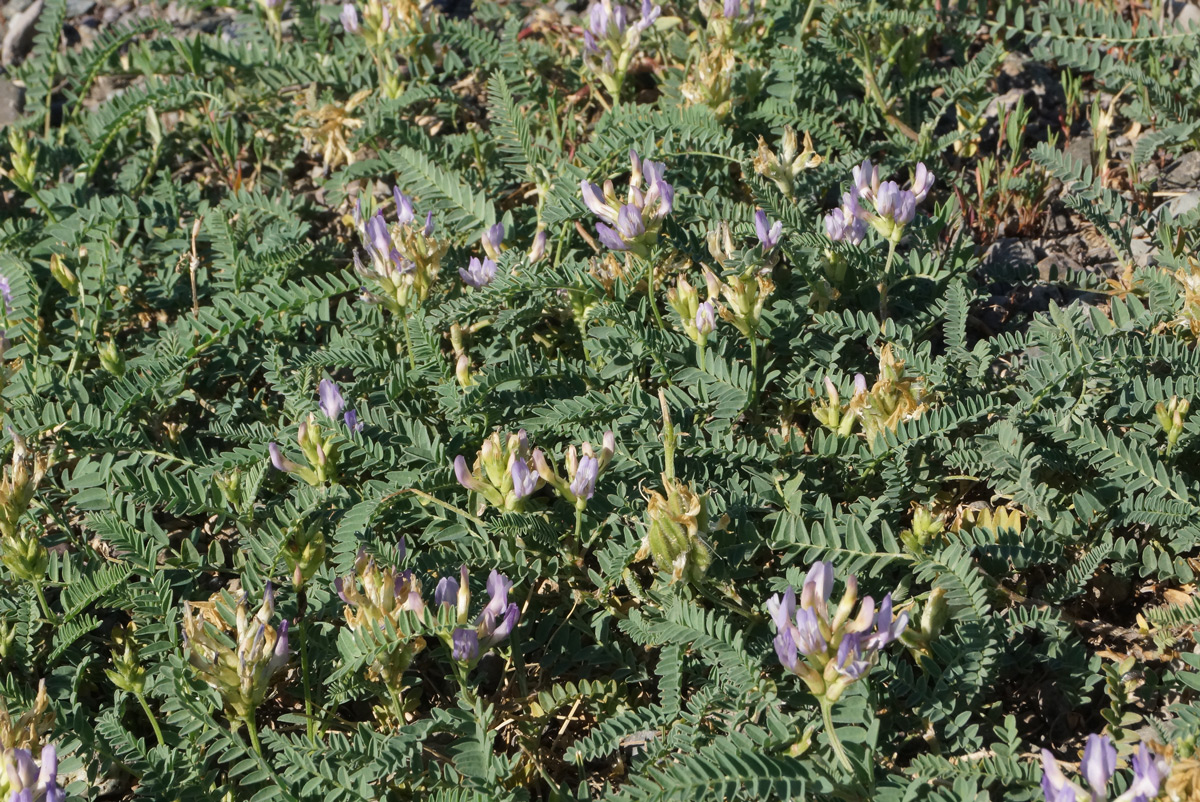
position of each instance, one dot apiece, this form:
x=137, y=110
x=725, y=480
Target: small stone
x=19, y=37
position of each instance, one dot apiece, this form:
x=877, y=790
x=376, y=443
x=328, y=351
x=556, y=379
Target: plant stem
x=834, y=741
x=397, y=708
x=650, y=294
x=41, y=594
x=577, y=543
x=412, y=359
x=252, y=729
x=700, y=357
x=877, y=96
x=304, y=674
x=141, y=697
x=884, y=283
x=668, y=439
x=753, y=372
x=808, y=15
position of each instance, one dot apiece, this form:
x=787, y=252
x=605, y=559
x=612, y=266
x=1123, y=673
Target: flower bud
x=675, y=526
x=63, y=275
x=111, y=359
x=462, y=370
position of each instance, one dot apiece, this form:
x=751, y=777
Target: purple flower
x=494, y=629
x=281, y=462
x=706, y=321
x=658, y=188
x=785, y=648
x=349, y=18
x=808, y=637
x=492, y=239
x=1148, y=772
x=498, y=586
x=860, y=383
x=446, y=592
x=768, y=235
x=466, y=645
x=378, y=236
x=650, y=13
x=428, y=231
x=584, y=483
x=1055, y=787
x=782, y=608
x=1099, y=762
x=899, y=205
x=478, y=274
x=6, y=293
x=629, y=222
x=524, y=480
x=280, y=656
x=609, y=238
x=404, y=207
x=922, y=182
x=463, y=474
x=818, y=582
x=27, y=782
x=887, y=629
x=593, y=198
x=352, y=422
x=539, y=247
x=332, y=402
x=732, y=8
x=846, y=224
x=866, y=179
x=850, y=662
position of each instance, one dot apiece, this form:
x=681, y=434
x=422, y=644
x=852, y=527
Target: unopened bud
x=111, y=359
x=63, y=275
x=462, y=370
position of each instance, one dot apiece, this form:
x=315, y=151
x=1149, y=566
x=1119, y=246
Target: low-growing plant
x=415, y=400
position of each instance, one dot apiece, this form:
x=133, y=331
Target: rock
x=19, y=37
x=1080, y=149
x=1010, y=251
x=1184, y=15
x=1181, y=205
x=77, y=8
x=12, y=102
x=1009, y=100
x=1184, y=172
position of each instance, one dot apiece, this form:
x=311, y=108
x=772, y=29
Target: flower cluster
x=612, y=37
x=745, y=296
x=240, y=674
x=787, y=166
x=478, y=274
x=405, y=258
x=633, y=225
x=697, y=318
x=27, y=731
x=384, y=20
x=831, y=649
x=495, y=623
x=894, y=397
x=579, y=485
x=891, y=208
x=503, y=473
x=1098, y=767
x=728, y=19
x=20, y=550
x=378, y=611
x=320, y=447
x=1170, y=417
x=676, y=527
x=22, y=780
